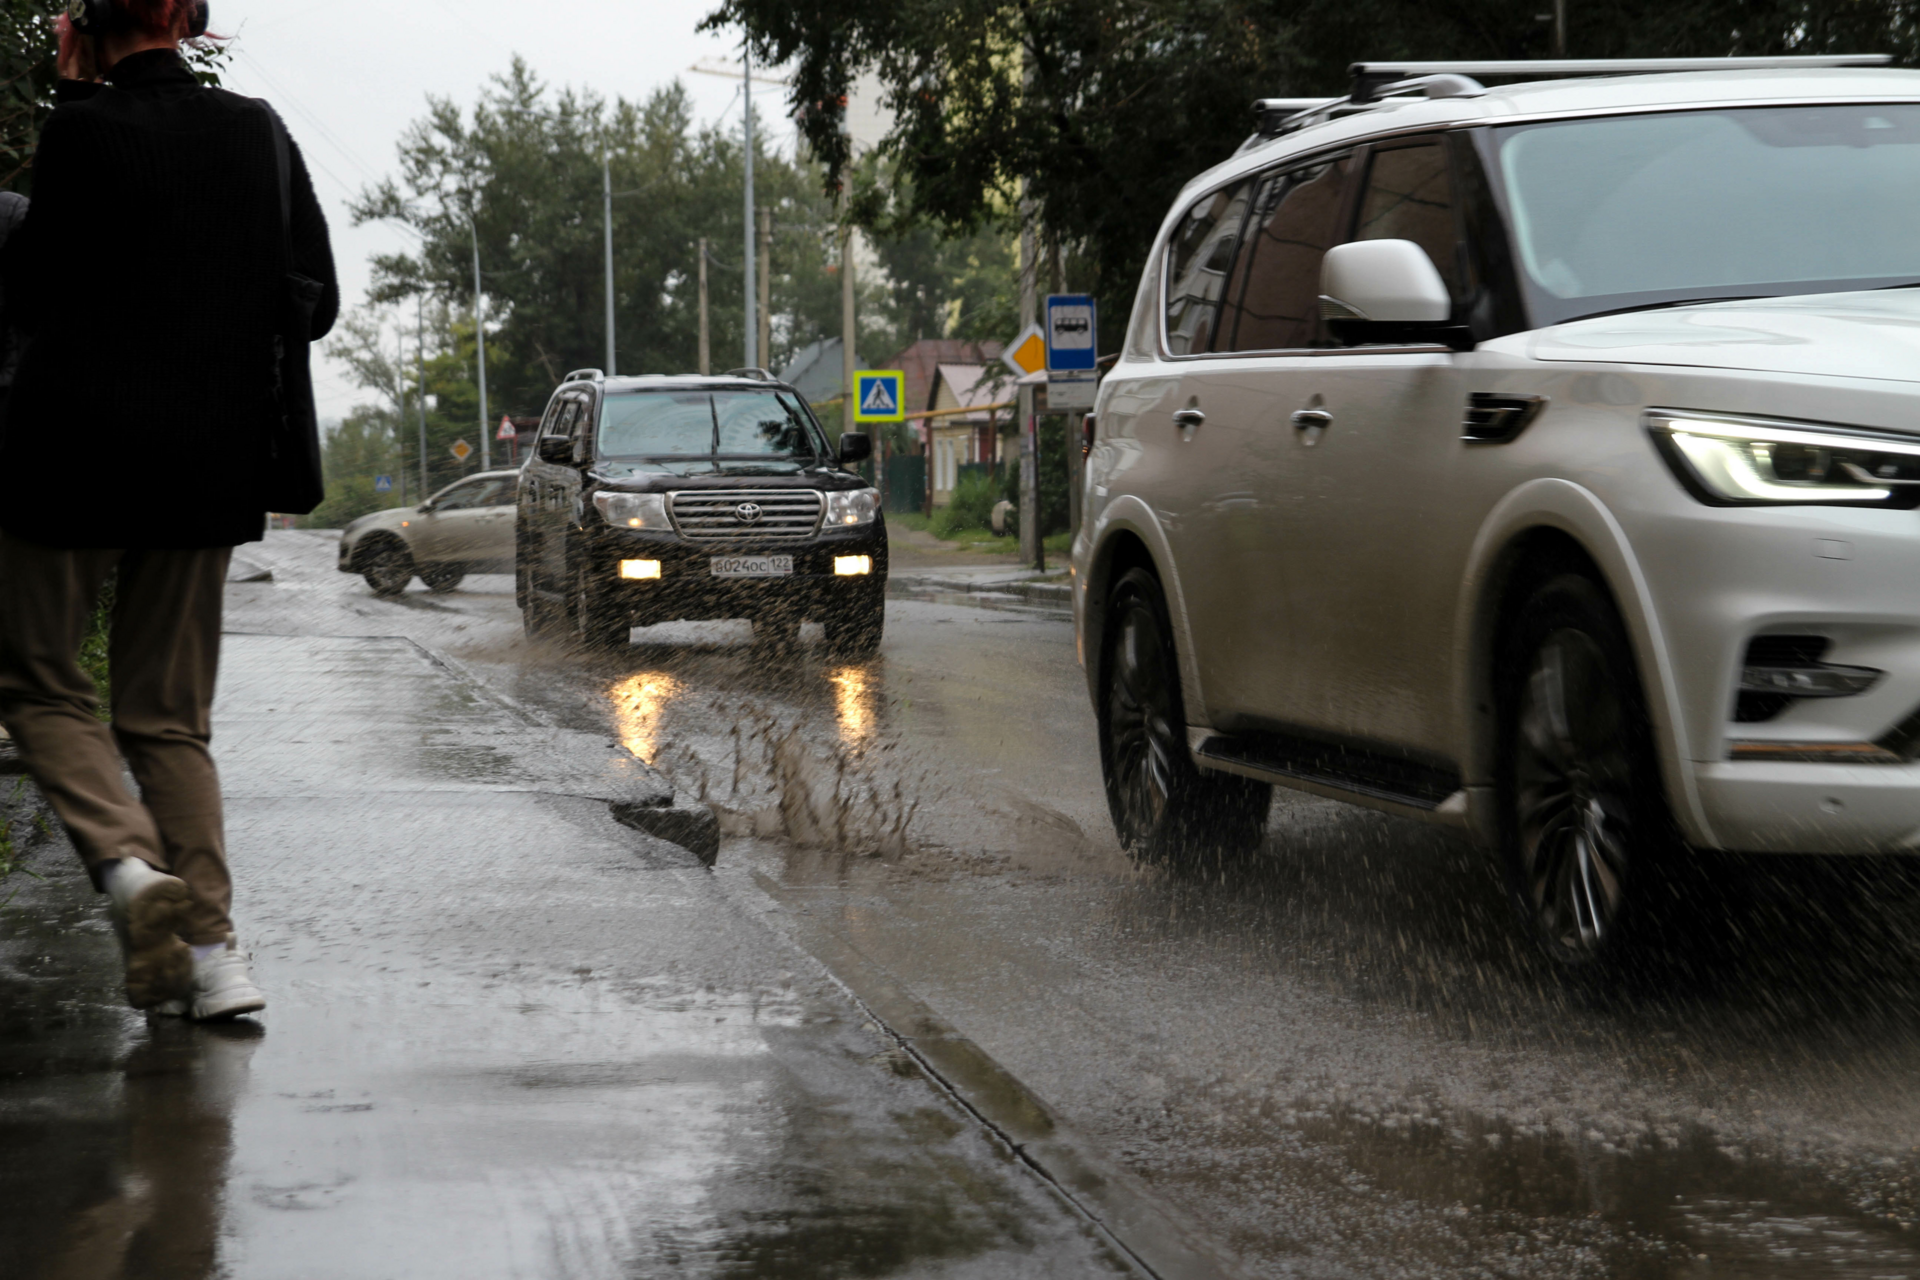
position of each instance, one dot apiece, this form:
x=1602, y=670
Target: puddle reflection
x=853, y=705
x=640, y=702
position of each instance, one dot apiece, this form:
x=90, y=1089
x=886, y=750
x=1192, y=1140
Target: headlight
x=857, y=506
x=1732, y=461
x=633, y=510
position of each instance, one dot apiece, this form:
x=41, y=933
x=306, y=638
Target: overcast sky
x=349, y=75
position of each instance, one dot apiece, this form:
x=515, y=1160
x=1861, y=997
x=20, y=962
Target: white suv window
x=1275, y=303
x=1198, y=258
x=1409, y=196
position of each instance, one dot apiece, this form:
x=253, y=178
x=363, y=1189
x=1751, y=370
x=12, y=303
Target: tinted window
x=471, y=493
x=1198, y=258
x=1409, y=196
x=1631, y=210
x=1276, y=302
x=726, y=424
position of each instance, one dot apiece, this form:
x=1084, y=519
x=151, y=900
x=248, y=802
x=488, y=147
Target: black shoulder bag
x=292, y=481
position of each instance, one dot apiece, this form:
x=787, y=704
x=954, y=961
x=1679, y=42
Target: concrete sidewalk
x=507, y=1035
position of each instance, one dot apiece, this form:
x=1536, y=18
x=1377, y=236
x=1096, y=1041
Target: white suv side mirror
x=1383, y=281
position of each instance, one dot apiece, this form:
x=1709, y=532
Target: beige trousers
x=162, y=657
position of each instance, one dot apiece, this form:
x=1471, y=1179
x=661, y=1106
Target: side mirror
x=855, y=446
x=1386, y=291
x=555, y=449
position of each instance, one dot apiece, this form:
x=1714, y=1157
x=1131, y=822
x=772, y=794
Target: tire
x=538, y=617
x=441, y=577
x=594, y=621
x=855, y=631
x=1164, y=809
x=387, y=567
x=1586, y=837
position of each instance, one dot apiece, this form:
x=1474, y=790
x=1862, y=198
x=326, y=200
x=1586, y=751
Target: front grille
x=714, y=515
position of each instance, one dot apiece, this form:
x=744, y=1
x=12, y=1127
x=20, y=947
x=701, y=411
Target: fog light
x=639, y=568
x=852, y=566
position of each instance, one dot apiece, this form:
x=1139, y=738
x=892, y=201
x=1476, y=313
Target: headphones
x=97, y=17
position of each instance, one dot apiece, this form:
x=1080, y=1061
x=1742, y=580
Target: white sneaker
x=148, y=909
x=222, y=988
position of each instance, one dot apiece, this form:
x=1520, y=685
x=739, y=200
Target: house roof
x=921, y=364
x=815, y=370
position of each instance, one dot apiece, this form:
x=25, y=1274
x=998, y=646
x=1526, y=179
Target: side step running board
x=1334, y=770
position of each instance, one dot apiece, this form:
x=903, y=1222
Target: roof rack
x=584, y=375
x=1370, y=78
x=751, y=371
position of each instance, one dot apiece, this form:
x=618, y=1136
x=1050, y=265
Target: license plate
x=751, y=566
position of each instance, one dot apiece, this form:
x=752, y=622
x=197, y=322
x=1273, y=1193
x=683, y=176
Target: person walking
x=150, y=277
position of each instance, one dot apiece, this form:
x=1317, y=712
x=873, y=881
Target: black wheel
x=1587, y=829
x=387, y=567
x=441, y=577
x=1164, y=808
x=595, y=621
x=538, y=615
x=854, y=631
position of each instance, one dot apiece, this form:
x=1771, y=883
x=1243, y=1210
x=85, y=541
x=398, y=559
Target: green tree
x=1106, y=110
x=525, y=163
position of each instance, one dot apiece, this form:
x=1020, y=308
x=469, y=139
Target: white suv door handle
x=1187, y=419
x=1311, y=419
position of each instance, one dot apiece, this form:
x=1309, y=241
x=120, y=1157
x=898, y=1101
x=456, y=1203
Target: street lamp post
x=606, y=187
x=480, y=349
x=753, y=324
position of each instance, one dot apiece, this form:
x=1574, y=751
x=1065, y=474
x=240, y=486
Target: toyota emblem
x=747, y=513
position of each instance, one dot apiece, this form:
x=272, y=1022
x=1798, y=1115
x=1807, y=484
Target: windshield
x=1641, y=210
x=759, y=429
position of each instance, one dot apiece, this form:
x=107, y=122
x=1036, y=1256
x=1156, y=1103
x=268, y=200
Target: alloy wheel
x=1573, y=774
x=1140, y=723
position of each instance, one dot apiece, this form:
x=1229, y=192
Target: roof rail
x=1369, y=78
x=584, y=375
x=751, y=371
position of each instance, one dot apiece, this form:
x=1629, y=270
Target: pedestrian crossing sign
x=879, y=395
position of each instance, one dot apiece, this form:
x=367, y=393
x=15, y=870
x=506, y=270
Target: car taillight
x=1087, y=428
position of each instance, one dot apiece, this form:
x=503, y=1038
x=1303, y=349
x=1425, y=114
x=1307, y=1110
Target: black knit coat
x=147, y=277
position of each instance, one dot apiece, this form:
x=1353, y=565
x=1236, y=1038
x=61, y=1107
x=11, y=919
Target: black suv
x=657, y=498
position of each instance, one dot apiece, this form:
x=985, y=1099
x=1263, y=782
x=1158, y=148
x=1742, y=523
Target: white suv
x=1539, y=461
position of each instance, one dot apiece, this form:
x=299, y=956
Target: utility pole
x=1031, y=549
x=848, y=328
x=420, y=375
x=753, y=328
x=706, y=355
x=606, y=187
x=480, y=348
x=1559, y=28
x=766, y=284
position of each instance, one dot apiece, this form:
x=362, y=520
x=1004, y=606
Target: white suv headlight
x=633, y=510
x=1739, y=461
x=857, y=506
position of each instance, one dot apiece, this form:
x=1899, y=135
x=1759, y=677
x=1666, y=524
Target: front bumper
x=687, y=590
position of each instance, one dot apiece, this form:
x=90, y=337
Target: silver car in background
x=465, y=528
x=1537, y=461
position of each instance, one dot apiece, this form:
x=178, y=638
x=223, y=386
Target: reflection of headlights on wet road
x=851, y=703
x=858, y=506
x=639, y=701
x=852, y=566
x=633, y=510
x=639, y=568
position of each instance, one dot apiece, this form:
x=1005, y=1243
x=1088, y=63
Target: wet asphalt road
x=1334, y=1060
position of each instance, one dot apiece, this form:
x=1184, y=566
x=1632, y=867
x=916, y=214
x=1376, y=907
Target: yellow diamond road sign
x=1028, y=352
x=461, y=450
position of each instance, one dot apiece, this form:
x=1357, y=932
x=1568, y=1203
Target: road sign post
x=1072, y=351
x=508, y=434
